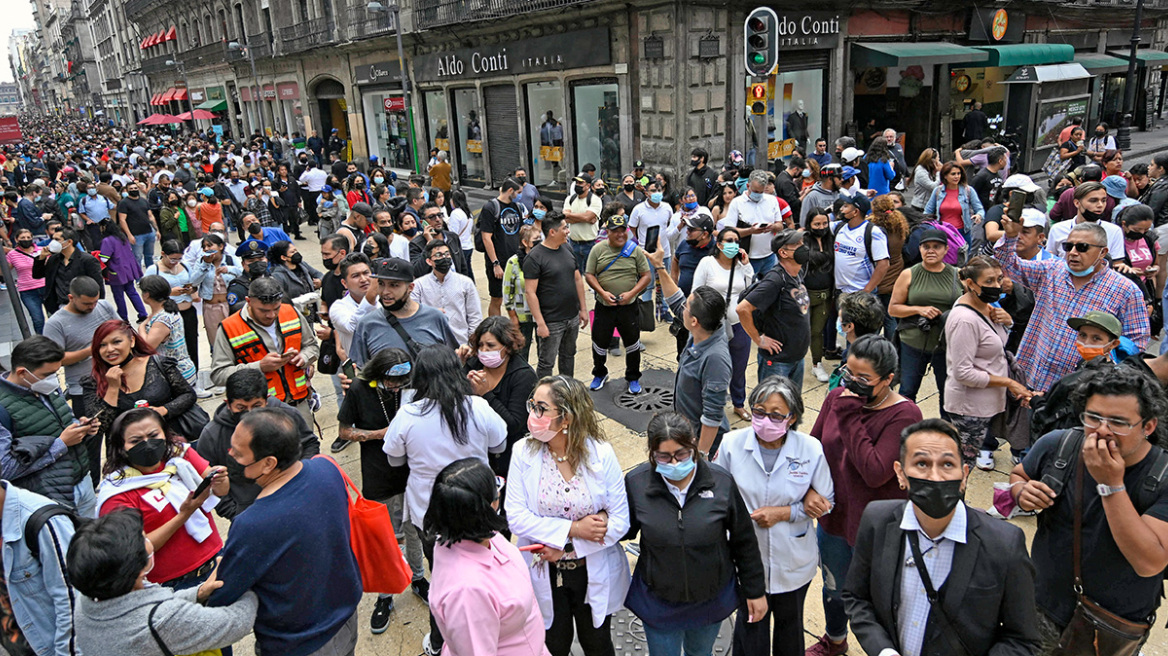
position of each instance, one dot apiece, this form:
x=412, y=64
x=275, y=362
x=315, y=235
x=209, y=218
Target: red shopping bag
x=383, y=568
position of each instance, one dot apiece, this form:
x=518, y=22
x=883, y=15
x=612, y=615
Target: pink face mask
x=767, y=429
x=491, y=359
x=540, y=427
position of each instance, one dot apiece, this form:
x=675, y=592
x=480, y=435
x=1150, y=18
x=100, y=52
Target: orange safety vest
x=289, y=383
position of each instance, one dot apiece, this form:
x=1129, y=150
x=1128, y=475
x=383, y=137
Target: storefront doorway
x=596, y=109
x=469, y=137
x=331, y=112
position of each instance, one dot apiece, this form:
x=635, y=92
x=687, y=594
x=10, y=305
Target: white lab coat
x=608, y=568
x=790, y=551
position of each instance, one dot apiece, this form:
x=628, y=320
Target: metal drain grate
x=628, y=636
x=651, y=399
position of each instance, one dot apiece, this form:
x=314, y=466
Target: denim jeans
x=913, y=363
x=560, y=344
x=698, y=641
x=581, y=249
x=34, y=301
x=769, y=367
x=144, y=249
x=835, y=557
x=763, y=264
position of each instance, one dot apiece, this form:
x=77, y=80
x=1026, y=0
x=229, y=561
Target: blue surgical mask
x=689, y=207
x=839, y=326
x=91, y=191
x=1080, y=274
x=378, y=179
x=807, y=173
x=426, y=195
x=538, y=214
x=676, y=471
x=756, y=196
x=730, y=250
x=656, y=197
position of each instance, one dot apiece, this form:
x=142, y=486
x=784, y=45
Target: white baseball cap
x=1021, y=182
x=1032, y=218
x=851, y=154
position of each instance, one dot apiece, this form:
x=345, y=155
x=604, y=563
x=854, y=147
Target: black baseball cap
x=700, y=222
x=363, y=208
x=395, y=268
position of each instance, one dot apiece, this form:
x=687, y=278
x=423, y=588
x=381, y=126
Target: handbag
x=645, y=318
x=328, y=362
x=379, y=558
x=189, y=424
x=1094, y=630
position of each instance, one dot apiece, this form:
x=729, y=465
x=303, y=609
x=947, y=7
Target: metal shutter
x=502, y=131
x=801, y=61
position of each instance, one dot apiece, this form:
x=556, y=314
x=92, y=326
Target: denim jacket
x=970, y=204
x=42, y=602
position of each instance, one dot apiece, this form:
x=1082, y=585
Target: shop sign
x=996, y=26
x=215, y=93
x=197, y=95
x=809, y=30
x=1055, y=115
x=551, y=153
x=577, y=49
x=781, y=149
x=245, y=94
x=442, y=144
x=474, y=146
x=269, y=92
x=394, y=104
x=287, y=90
x=378, y=73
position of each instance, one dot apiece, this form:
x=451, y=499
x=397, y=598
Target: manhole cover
x=628, y=636
x=651, y=399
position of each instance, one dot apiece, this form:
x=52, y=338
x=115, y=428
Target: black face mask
x=296, y=259
x=147, y=453
x=521, y=180
x=24, y=243
x=989, y=294
x=257, y=269
x=411, y=232
x=801, y=255
x=1132, y=235
x=935, y=498
x=818, y=232
x=693, y=243
x=443, y=265
x=387, y=231
x=1093, y=217
x=1099, y=133
x=134, y=194
x=255, y=230
x=630, y=187
x=862, y=390
x=580, y=191
x=696, y=163
x=397, y=305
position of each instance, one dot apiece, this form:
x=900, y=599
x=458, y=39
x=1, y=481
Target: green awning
x=870, y=55
x=1144, y=56
x=1099, y=64
x=213, y=105
x=1028, y=54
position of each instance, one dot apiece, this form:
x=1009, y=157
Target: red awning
x=180, y=94
x=152, y=41
x=158, y=38
x=169, y=95
x=142, y=44
x=172, y=34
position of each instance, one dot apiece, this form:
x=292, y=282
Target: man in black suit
x=979, y=568
x=62, y=261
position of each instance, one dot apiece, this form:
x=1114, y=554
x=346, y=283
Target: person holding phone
x=757, y=213
x=649, y=220
x=152, y=470
x=184, y=284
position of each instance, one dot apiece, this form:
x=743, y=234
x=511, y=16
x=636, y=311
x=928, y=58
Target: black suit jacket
x=51, y=269
x=988, y=595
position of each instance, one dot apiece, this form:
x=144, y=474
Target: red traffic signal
x=760, y=36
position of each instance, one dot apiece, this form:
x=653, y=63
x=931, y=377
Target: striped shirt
x=1048, y=348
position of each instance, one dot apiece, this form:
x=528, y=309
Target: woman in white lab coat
x=784, y=479
x=566, y=491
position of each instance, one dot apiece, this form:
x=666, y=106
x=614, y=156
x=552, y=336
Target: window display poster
x=796, y=111
x=1055, y=115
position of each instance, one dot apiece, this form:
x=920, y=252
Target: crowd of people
x=1033, y=312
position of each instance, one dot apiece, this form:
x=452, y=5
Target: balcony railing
x=307, y=35
x=364, y=23
x=208, y=55
x=430, y=14
x=261, y=44
x=135, y=8
x=157, y=64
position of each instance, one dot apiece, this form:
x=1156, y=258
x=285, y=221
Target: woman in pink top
x=953, y=202
x=481, y=592
x=32, y=290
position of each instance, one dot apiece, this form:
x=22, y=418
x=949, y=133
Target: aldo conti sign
x=811, y=30
x=549, y=53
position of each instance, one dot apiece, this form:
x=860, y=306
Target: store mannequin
x=797, y=125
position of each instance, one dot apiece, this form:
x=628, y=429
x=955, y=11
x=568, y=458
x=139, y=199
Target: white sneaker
x=426, y=648
x=202, y=393
x=820, y=374
x=985, y=460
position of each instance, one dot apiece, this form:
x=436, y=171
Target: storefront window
x=438, y=117
x=796, y=116
x=470, y=135
x=545, y=115
x=387, y=128
x=597, y=127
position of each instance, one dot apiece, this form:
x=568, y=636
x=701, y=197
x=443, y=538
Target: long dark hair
x=156, y=288
x=114, y=229
x=460, y=505
x=115, y=447
x=457, y=200
x=439, y=382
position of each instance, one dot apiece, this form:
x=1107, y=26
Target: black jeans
x=626, y=320
x=190, y=319
x=753, y=639
x=570, y=607
x=436, y=640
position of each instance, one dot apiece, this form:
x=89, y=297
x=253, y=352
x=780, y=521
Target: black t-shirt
x=331, y=289
x=556, y=272
x=1077, y=160
x=630, y=203
x=137, y=215
x=986, y=183
x=503, y=221
x=1108, y=578
x=366, y=408
x=783, y=306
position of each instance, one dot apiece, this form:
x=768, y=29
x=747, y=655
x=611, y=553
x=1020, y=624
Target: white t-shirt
x=460, y=224
x=853, y=270
x=711, y=274
x=646, y=216
x=344, y=314
x=400, y=247
x=1061, y=230
x=764, y=212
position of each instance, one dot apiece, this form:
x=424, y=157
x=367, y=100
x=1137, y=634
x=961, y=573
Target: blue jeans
x=763, y=264
x=768, y=367
x=698, y=641
x=581, y=249
x=913, y=363
x=144, y=248
x=34, y=301
x=835, y=557
x=85, y=498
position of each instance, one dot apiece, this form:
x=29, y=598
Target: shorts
x=494, y=285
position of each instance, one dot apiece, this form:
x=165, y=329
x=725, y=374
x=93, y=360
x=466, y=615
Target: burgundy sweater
x=860, y=446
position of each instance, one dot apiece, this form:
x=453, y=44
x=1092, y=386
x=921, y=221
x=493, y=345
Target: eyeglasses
x=681, y=455
x=1078, y=246
x=776, y=417
x=846, y=374
x=1117, y=426
x=538, y=409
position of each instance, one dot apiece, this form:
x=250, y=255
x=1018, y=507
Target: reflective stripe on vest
x=289, y=383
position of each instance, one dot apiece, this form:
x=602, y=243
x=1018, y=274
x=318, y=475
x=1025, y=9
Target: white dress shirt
x=344, y=314
x=1061, y=230
x=456, y=296
x=912, y=615
x=764, y=212
x=313, y=179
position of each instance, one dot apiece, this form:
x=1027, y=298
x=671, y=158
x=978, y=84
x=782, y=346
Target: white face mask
x=192, y=202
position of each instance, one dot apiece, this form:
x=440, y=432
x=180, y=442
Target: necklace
x=870, y=406
x=557, y=458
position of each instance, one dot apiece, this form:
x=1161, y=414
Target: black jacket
x=688, y=553
x=418, y=253
x=989, y=593
x=216, y=440
x=704, y=182
x=83, y=264
x=788, y=189
x=1156, y=197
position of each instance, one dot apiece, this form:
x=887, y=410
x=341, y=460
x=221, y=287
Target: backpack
x=37, y=521
x=1057, y=474
x=478, y=231
x=867, y=237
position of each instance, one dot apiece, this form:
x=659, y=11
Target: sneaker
x=635, y=387
x=202, y=393
x=427, y=649
x=832, y=354
x=421, y=588
x=339, y=445
x=381, y=610
x=825, y=647
x=598, y=383
x=985, y=460
x=820, y=374
x=218, y=390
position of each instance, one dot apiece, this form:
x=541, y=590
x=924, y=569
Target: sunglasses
x=1078, y=246
x=270, y=298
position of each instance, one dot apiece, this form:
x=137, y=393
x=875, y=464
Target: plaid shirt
x=1048, y=348
x=257, y=206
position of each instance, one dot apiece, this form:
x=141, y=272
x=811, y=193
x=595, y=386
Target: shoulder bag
x=190, y=423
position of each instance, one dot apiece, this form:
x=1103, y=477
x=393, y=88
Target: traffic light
x=758, y=98
x=761, y=40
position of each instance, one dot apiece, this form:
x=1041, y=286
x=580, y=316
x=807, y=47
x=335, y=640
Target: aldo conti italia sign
x=550, y=53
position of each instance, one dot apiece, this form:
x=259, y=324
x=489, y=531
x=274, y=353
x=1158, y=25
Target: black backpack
x=1057, y=474
x=867, y=237
x=37, y=521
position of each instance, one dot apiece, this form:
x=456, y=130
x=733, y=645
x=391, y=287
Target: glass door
x=469, y=136
x=596, y=127
x=545, y=116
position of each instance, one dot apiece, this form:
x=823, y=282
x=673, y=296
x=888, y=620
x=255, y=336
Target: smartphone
x=1016, y=203
x=651, y=237
x=206, y=482
x=289, y=353
x=349, y=369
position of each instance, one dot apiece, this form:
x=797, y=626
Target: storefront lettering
x=376, y=73
x=449, y=65
x=493, y=64
x=589, y=47
x=809, y=30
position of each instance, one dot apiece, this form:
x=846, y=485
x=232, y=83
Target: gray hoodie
x=119, y=625
x=816, y=199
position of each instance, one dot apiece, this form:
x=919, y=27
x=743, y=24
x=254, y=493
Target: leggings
x=190, y=319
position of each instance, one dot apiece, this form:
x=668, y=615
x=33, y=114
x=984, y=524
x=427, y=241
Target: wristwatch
x=1107, y=490
x=495, y=263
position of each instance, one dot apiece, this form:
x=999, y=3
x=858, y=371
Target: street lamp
x=394, y=16
x=183, y=72
x=234, y=45
x=1123, y=135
